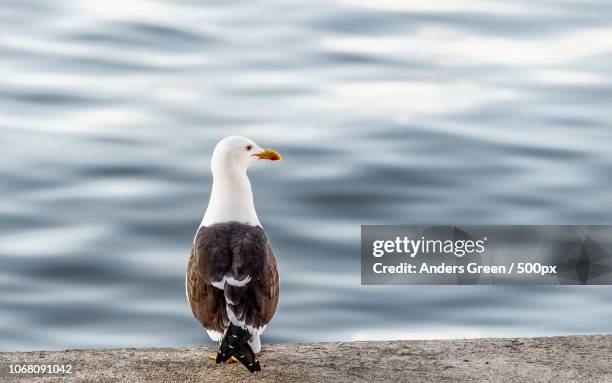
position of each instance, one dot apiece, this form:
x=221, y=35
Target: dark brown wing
x=265, y=294
x=251, y=288
x=232, y=276
x=207, y=302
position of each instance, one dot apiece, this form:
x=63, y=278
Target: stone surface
x=553, y=359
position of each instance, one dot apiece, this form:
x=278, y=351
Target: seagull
x=232, y=278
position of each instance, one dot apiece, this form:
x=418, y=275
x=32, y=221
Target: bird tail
x=236, y=343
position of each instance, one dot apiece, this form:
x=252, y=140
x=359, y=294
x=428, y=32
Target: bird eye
x=249, y=147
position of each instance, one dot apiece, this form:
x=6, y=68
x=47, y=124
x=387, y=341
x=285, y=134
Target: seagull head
x=239, y=153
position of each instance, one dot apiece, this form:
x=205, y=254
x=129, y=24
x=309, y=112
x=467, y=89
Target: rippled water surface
x=386, y=112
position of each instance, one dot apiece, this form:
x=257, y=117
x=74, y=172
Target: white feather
x=255, y=343
x=186, y=290
x=231, y=198
x=252, y=330
x=236, y=282
x=220, y=284
x=216, y=336
x=231, y=281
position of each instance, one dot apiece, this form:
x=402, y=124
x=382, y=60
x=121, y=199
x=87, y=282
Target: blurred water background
x=386, y=112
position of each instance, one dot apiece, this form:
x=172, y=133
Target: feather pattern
x=237, y=258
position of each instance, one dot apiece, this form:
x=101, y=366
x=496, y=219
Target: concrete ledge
x=558, y=359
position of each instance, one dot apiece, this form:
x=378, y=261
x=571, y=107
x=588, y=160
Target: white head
x=231, y=199
x=237, y=153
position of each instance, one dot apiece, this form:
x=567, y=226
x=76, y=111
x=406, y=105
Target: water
x=385, y=112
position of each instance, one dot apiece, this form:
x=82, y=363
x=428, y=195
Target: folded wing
x=232, y=277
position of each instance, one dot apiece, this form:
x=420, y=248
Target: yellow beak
x=268, y=154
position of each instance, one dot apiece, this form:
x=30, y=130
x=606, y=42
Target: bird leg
x=230, y=360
